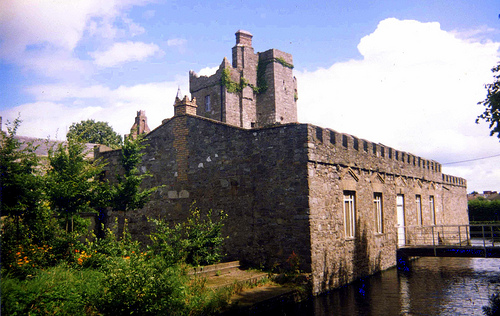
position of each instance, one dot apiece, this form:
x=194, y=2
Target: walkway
x=449, y=241
x=254, y=293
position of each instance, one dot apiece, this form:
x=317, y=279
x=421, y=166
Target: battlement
x=185, y=106
x=452, y=180
x=330, y=146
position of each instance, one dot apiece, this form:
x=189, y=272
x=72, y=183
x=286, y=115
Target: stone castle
x=331, y=198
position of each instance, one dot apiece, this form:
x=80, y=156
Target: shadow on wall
x=340, y=272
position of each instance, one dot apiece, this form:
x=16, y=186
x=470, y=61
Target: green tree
x=21, y=187
x=90, y=131
x=126, y=193
x=72, y=181
x=481, y=209
x=491, y=113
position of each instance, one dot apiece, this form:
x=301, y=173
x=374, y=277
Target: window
x=418, y=203
x=207, y=103
x=344, y=141
x=355, y=143
x=379, y=216
x=349, y=214
x=432, y=209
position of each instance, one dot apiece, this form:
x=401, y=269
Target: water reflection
x=433, y=286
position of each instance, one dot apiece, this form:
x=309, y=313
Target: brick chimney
x=184, y=106
x=243, y=38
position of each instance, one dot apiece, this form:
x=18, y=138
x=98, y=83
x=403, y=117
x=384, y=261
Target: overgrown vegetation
x=48, y=267
x=233, y=87
x=226, y=81
x=197, y=241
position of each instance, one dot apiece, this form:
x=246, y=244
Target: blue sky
x=407, y=74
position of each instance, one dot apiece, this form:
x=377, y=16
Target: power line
x=475, y=159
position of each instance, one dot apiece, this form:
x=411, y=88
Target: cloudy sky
x=407, y=74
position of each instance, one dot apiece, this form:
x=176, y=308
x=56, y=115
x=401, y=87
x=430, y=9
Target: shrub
x=59, y=290
x=149, y=286
x=24, y=251
x=198, y=241
x=96, y=253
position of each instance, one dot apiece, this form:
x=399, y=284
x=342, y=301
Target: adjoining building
x=331, y=198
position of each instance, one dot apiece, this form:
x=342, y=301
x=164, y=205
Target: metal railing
x=450, y=235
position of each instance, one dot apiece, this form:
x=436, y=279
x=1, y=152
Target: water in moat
x=434, y=286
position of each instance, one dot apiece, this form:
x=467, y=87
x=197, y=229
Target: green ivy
x=226, y=81
x=233, y=87
x=283, y=62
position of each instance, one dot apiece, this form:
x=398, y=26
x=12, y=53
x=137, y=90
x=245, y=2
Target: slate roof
x=43, y=145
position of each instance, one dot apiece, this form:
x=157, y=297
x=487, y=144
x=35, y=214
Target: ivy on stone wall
x=227, y=82
x=233, y=86
x=283, y=62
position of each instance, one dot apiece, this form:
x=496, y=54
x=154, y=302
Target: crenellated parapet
x=452, y=180
x=331, y=147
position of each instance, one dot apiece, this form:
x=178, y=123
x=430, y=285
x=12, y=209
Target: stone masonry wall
x=278, y=102
x=283, y=190
x=258, y=177
x=341, y=162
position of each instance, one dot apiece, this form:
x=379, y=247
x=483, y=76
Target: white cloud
x=416, y=89
x=121, y=53
x=47, y=27
x=178, y=43
x=207, y=71
x=58, y=106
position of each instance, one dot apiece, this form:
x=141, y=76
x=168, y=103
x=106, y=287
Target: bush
x=484, y=210
x=112, y=275
x=96, y=253
x=59, y=290
x=24, y=251
x=142, y=285
x=198, y=241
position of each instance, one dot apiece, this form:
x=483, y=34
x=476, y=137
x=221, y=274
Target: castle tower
x=255, y=90
x=141, y=125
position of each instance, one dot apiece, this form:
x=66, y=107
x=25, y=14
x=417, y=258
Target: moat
x=434, y=286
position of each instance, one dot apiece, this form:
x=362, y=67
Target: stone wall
x=339, y=163
x=278, y=102
x=258, y=177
